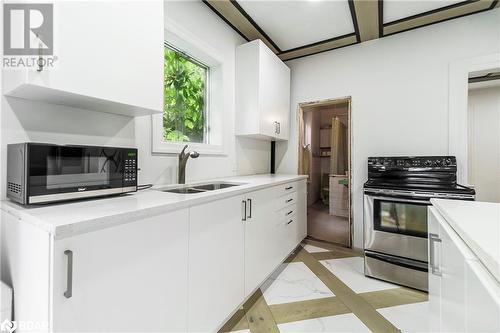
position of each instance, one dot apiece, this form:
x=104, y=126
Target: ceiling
x=295, y=29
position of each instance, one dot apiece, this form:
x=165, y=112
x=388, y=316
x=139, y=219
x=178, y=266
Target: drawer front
x=286, y=214
x=287, y=188
x=286, y=200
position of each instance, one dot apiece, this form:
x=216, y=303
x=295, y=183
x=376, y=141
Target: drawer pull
x=289, y=222
x=288, y=188
x=244, y=210
x=69, y=274
x=291, y=199
x=290, y=212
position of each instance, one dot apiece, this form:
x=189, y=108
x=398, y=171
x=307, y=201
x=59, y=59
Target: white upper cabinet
x=262, y=93
x=109, y=58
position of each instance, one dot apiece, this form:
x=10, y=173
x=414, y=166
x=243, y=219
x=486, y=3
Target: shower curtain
x=338, y=140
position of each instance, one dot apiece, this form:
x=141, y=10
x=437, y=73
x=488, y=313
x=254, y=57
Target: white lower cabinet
x=463, y=296
x=127, y=278
x=216, y=265
x=262, y=253
x=185, y=270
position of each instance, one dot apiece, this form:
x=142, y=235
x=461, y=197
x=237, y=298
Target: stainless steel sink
x=214, y=186
x=183, y=190
x=197, y=189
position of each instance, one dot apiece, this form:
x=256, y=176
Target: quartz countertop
x=478, y=224
x=70, y=218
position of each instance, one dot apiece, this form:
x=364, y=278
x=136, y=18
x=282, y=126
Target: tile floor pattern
x=322, y=288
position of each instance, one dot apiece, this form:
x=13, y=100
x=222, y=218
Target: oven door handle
x=425, y=202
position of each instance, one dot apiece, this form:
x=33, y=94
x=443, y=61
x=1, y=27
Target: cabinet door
x=262, y=230
x=453, y=280
x=483, y=299
x=434, y=252
x=216, y=262
x=131, y=277
x=103, y=57
x=274, y=94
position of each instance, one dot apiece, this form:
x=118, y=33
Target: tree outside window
x=185, y=98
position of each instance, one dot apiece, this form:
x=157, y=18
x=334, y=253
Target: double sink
x=197, y=189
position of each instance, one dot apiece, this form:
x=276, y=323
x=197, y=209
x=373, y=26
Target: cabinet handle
x=69, y=274
x=279, y=127
x=244, y=212
x=290, y=212
x=289, y=222
x=275, y=127
x=249, y=208
x=288, y=200
x=288, y=188
x=436, y=270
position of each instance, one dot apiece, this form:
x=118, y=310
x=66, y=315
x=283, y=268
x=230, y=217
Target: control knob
x=428, y=163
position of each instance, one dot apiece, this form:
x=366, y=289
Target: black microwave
x=40, y=173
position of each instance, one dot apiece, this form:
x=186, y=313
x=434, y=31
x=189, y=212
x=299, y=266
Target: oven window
x=401, y=217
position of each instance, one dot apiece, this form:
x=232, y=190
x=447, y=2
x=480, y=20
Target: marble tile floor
x=322, y=288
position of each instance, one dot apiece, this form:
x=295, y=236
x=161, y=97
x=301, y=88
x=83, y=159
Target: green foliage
x=184, y=98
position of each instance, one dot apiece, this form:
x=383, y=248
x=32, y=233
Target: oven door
x=70, y=172
x=396, y=226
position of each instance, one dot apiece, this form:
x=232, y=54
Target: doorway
x=483, y=146
x=325, y=156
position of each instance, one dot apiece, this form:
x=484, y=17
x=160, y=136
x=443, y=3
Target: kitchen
x=408, y=95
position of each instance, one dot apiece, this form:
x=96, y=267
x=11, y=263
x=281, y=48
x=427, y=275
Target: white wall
x=399, y=89
x=484, y=143
x=29, y=121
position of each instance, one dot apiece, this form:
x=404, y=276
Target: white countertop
x=71, y=218
x=478, y=224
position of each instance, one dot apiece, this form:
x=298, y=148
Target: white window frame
x=216, y=144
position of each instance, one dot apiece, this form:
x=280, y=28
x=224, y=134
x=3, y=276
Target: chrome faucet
x=183, y=158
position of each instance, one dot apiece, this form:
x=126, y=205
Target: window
x=185, y=113
x=198, y=92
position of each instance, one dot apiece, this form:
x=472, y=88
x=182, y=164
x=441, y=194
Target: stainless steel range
x=396, y=197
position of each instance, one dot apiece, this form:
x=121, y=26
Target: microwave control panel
x=130, y=170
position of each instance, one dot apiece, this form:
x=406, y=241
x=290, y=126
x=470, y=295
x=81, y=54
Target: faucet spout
x=183, y=158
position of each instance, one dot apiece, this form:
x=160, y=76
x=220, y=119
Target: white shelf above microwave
x=35, y=92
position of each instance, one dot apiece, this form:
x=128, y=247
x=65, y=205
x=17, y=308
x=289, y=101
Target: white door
x=127, y=278
x=216, y=262
x=261, y=238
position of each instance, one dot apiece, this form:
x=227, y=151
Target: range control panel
x=428, y=163
x=130, y=170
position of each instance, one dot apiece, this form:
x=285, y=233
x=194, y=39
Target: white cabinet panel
x=483, y=299
x=216, y=262
x=262, y=93
x=262, y=229
x=435, y=255
x=453, y=279
x=101, y=47
x=131, y=277
x=461, y=290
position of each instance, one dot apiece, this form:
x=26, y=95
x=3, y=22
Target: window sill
x=176, y=147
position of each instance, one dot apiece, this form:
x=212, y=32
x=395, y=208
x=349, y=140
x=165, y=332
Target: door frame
x=300, y=116
x=458, y=121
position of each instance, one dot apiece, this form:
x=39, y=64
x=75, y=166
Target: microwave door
x=66, y=169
